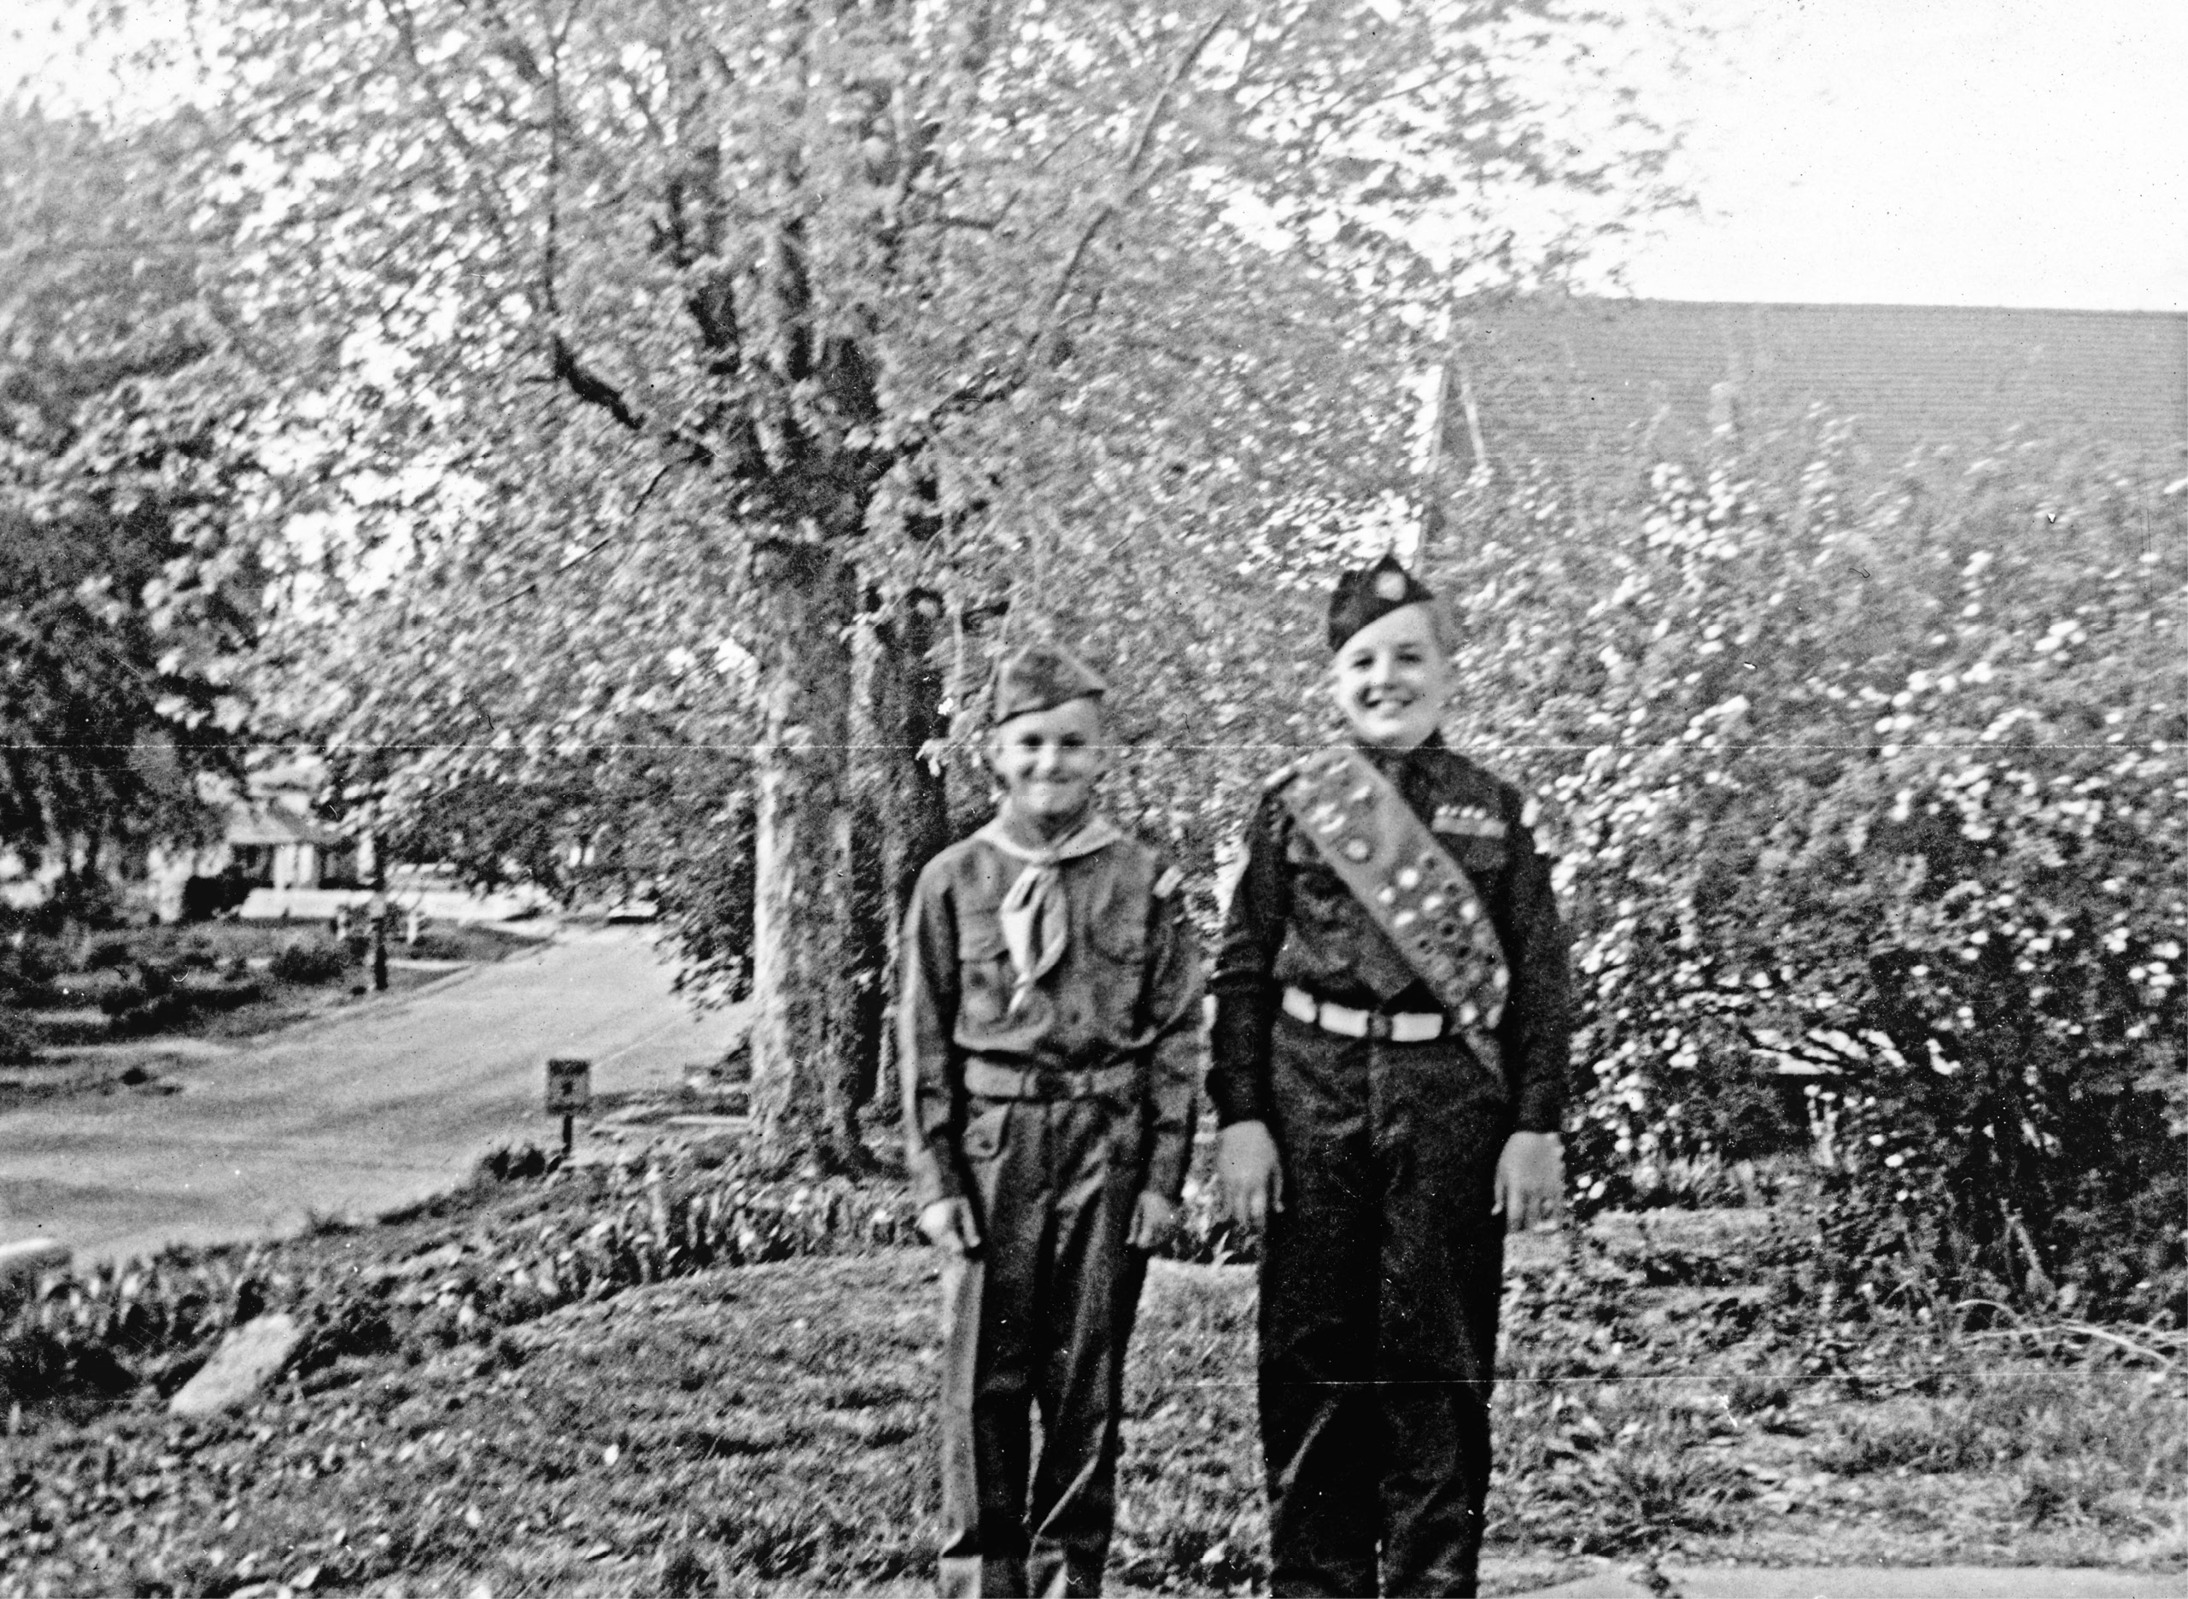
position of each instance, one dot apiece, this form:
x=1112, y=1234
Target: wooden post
x=569, y=1090
x=379, y=918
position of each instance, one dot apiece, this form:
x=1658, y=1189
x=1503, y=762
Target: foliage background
x=1887, y=781
x=129, y=589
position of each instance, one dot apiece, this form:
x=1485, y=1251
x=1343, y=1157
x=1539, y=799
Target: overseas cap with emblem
x=1371, y=594
x=1041, y=677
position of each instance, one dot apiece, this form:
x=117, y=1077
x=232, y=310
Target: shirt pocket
x=1119, y=971
x=985, y=979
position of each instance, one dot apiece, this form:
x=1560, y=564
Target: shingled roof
x=1583, y=380
x=253, y=826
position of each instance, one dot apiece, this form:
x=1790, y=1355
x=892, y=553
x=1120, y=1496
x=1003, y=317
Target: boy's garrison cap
x=1371, y=594
x=1041, y=677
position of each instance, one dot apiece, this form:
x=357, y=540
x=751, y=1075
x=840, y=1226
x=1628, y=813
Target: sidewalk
x=1876, y=1582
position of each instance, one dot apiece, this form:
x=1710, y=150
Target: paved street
x=350, y=1116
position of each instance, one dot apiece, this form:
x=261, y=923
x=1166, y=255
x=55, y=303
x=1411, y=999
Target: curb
x=24, y=1262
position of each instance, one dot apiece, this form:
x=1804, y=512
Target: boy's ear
x=1443, y=627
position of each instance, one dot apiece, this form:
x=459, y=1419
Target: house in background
x=275, y=840
x=272, y=841
x=282, y=850
x=1595, y=384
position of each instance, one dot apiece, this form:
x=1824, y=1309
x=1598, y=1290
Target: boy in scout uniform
x=1389, y=1063
x=1049, y=1028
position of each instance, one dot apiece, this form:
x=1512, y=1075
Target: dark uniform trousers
x=1379, y=1290
x=1040, y=1313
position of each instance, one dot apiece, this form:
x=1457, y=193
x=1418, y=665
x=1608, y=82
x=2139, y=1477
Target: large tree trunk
x=803, y=1022
x=902, y=808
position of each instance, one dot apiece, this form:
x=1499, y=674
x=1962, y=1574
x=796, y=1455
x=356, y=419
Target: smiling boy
x=1049, y=1054
x=1389, y=1064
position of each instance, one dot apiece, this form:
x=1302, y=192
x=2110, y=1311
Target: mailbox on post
x=569, y=1090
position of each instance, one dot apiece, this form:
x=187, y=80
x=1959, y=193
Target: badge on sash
x=1400, y=873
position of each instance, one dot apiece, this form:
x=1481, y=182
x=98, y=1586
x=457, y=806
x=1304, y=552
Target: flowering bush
x=1896, y=788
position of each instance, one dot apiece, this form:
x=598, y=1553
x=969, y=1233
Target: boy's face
x=1392, y=679
x=1049, y=760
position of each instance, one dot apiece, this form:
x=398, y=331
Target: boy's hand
x=1251, y=1175
x=948, y=1224
x=1154, y=1219
x=1530, y=1180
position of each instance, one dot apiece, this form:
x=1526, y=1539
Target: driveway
x=352, y=1116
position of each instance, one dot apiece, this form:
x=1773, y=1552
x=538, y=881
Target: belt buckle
x=1050, y=1082
x=1378, y=1025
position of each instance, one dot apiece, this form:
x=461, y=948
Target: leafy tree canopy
x=651, y=358
x=126, y=591
x=973, y=288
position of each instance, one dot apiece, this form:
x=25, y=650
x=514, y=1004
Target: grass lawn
x=1668, y=1389
x=226, y=984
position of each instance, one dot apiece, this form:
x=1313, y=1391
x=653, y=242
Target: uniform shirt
x=1293, y=921
x=1127, y=990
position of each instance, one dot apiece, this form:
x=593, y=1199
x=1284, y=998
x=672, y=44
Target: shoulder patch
x=1168, y=883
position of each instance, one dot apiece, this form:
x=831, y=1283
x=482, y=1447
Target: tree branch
x=406, y=33
x=1143, y=140
x=554, y=173
x=593, y=549
x=589, y=386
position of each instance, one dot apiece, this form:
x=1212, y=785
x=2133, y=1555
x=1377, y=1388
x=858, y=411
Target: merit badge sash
x=1399, y=872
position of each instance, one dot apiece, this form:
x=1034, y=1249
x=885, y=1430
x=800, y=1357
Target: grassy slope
x=769, y=1430
x=64, y=1066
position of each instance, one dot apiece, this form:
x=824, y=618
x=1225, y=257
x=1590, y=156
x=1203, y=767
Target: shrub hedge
x=1894, y=786
x=309, y=960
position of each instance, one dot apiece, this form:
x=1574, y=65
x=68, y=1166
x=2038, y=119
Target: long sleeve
x=1173, y=1010
x=1537, y=1033
x=926, y=1017
x=1253, y=931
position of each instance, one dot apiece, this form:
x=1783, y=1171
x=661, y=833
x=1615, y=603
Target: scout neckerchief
x=1036, y=922
x=1402, y=876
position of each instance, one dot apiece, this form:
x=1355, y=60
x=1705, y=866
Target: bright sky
x=1958, y=152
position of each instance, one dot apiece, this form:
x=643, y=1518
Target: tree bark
x=803, y=1012
x=902, y=806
